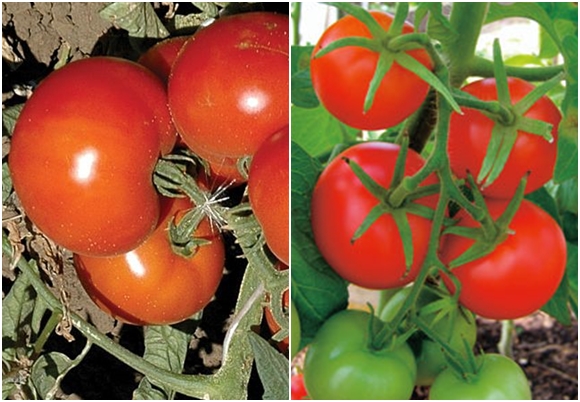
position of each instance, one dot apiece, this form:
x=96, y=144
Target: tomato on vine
x=83, y=153
x=153, y=285
x=341, y=77
x=523, y=271
x=228, y=89
x=470, y=134
x=340, y=204
x=341, y=363
x=497, y=377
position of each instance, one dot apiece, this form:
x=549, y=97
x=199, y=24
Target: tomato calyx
x=392, y=47
x=508, y=118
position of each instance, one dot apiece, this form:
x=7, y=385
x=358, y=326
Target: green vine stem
x=481, y=67
x=466, y=19
x=296, y=15
x=505, y=345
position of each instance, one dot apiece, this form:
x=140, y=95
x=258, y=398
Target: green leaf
x=166, y=347
x=6, y=182
x=542, y=198
x=50, y=369
x=17, y=308
x=317, y=290
x=9, y=118
x=273, y=368
x=567, y=157
x=138, y=19
x=566, y=296
x=438, y=26
x=317, y=131
x=567, y=196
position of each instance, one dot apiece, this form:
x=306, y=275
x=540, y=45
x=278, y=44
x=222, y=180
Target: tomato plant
x=470, y=134
x=513, y=280
x=497, y=378
x=152, y=284
x=340, y=203
x=66, y=160
x=341, y=364
x=343, y=90
x=268, y=191
x=243, y=96
x=456, y=327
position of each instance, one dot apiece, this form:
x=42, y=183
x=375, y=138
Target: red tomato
x=470, y=133
x=160, y=57
x=83, y=153
x=228, y=90
x=152, y=284
x=341, y=78
x=297, y=388
x=520, y=275
x=340, y=204
x=268, y=190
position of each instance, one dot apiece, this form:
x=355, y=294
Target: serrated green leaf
x=138, y=19
x=273, y=369
x=567, y=196
x=166, y=347
x=317, y=291
x=9, y=118
x=46, y=372
x=301, y=92
x=317, y=131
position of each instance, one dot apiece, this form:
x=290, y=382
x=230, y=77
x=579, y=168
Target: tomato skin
x=339, y=364
x=160, y=57
x=499, y=378
x=268, y=190
x=297, y=388
x=83, y=153
x=454, y=330
x=152, y=284
x=240, y=94
x=519, y=276
x=340, y=203
x=470, y=133
x=342, y=90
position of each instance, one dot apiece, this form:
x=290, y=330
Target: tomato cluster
x=445, y=232
x=85, y=147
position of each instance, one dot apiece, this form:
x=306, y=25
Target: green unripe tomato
x=454, y=329
x=498, y=378
x=294, y=330
x=340, y=364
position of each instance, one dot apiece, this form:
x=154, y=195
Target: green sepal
x=362, y=15
x=358, y=41
x=402, y=222
x=383, y=66
x=498, y=151
x=378, y=191
x=524, y=104
x=377, y=211
x=408, y=62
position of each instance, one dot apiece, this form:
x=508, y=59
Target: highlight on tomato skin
x=152, y=285
x=83, y=153
x=342, y=90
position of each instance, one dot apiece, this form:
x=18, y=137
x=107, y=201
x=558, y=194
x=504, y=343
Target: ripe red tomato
x=268, y=190
x=341, y=78
x=228, y=90
x=160, y=57
x=340, y=203
x=83, y=152
x=297, y=388
x=470, y=133
x=152, y=284
x=520, y=275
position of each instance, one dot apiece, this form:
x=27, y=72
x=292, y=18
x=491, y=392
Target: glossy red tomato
x=520, y=275
x=152, y=284
x=340, y=204
x=228, y=90
x=341, y=78
x=160, y=57
x=268, y=190
x=83, y=153
x=470, y=133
